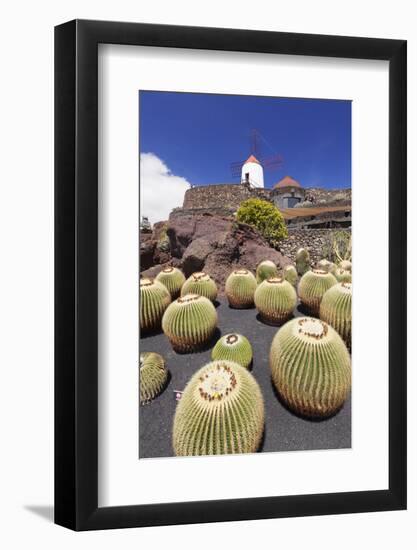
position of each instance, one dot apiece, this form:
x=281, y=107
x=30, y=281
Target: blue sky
x=198, y=136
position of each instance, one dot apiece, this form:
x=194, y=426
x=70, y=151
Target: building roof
x=287, y=181
x=252, y=159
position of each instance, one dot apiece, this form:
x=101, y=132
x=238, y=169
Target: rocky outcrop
x=214, y=244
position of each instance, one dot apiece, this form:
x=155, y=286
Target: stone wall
x=315, y=240
x=227, y=195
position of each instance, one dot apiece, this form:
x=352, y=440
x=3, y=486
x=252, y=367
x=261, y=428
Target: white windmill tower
x=252, y=172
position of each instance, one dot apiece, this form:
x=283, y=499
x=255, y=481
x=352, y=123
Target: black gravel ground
x=284, y=431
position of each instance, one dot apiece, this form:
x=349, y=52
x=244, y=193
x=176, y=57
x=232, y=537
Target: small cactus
x=265, y=270
x=302, y=261
x=275, y=300
x=325, y=265
x=311, y=288
x=189, y=322
x=346, y=264
x=221, y=411
x=240, y=289
x=202, y=284
x=173, y=279
x=342, y=275
x=310, y=367
x=336, y=310
x=152, y=376
x=233, y=347
x=154, y=299
x=290, y=274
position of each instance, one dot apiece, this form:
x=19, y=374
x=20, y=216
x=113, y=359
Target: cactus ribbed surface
x=152, y=376
x=200, y=283
x=221, y=411
x=233, y=347
x=154, y=299
x=173, y=279
x=311, y=288
x=290, y=274
x=336, y=310
x=265, y=270
x=310, y=367
x=302, y=261
x=240, y=289
x=325, y=265
x=189, y=322
x=346, y=264
x=342, y=275
x=275, y=300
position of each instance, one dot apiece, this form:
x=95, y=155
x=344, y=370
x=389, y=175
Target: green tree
x=265, y=217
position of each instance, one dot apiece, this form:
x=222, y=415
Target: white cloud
x=160, y=190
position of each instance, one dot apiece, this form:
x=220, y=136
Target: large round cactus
x=240, y=288
x=154, y=299
x=189, y=322
x=290, y=274
x=275, y=300
x=302, y=261
x=200, y=283
x=336, y=309
x=310, y=367
x=221, y=411
x=311, y=288
x=325, y=265
x=342, y=275
x=346, y=264
x=265, y=270
x=233, y=347
x=173, y=279
x=152, y=376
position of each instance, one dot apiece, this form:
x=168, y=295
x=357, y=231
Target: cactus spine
x=220, y=412
x=336, y=310
x=152, y=376
x=154, y=299
x=275, y=300
x=302, y=261
x=173, y=279
x=265, y=270
x=342, y=275
x=202, y=284
x=310, y=367
x=189, y=322
x=290, y=274
x=311, y=288
x=240, y=288
x=233, y=347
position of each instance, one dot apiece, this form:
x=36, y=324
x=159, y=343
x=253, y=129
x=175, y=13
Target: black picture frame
x=76, y=272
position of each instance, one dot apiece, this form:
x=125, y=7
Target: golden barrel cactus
x=233, y=347
x=153, y=376
x=240, y=289
x=173, y=279
x=275, y=300
x=221, y=411
x=202, y=284
x=336, y=309
x=153, y=301
x=310, y=367
x=311, y=288
x=265, y=270
x=342, y=275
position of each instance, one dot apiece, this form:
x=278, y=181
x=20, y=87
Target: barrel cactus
x=302, y=261
x=240, y=288
x=221, y=411
x=173, y=279
x=275, y=300
x=153, y=376
x=233, y=347
x=346, y=264
x=342, y=275
x=265, y=270
x=290, y=274
x=310, y=367
x=200, y=283
x=154, y=299
x=336, y=309
x=189, y=322
x=325, y=265
x=311, y=288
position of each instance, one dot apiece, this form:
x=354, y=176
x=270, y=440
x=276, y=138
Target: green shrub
x=265, y=217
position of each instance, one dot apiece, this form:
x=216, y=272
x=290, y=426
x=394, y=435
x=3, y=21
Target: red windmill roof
x=252, y=159
x=287, y=181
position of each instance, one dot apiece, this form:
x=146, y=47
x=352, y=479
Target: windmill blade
x=236, y=168
x=273, y=162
